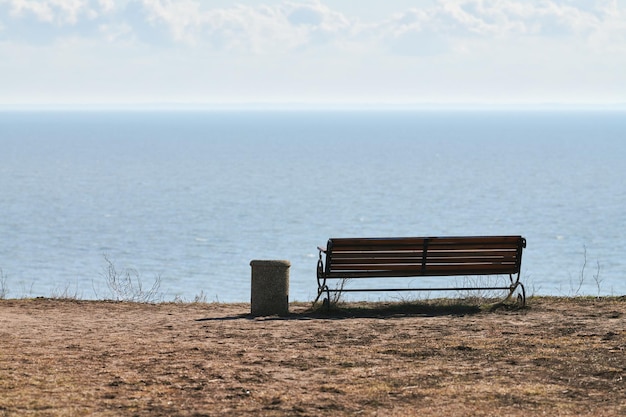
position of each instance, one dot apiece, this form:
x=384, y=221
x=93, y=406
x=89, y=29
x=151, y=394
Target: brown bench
x=396, y=257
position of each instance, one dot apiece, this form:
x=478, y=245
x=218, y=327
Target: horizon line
x=295, y=105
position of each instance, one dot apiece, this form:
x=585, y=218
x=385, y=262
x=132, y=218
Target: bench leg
x=521, y=297
x=321, y=280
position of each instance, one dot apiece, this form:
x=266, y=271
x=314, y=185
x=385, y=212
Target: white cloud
x=308, y=50
x=453, y=21
x=290, y=25
x=116, y=32
x=257, y=29
x=107, y=5
x=60, y=12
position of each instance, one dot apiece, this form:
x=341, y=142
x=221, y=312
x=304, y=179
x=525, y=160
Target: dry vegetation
x=559, y=356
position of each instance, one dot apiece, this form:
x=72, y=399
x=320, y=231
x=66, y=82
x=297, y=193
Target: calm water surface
x=192, y=197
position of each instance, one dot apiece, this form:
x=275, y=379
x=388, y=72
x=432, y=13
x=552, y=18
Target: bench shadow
x=347, y=312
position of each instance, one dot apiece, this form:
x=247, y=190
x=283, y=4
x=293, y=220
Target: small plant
x=335, y=295
x=127, y=285
x=483, y=295
x=597, y=279
x=582, y=277
x=575, y=288
x=27, y=292
x=534, y=288
x=197, y=299
x=65, y=293
x=200, y=298
x=4, y=290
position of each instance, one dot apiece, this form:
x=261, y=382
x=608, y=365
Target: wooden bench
x=349, y=258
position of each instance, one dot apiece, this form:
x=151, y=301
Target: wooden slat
x=390, y=246
x=428, y=268
x=419, y=255
x=455, y=240
x=378, y=267
x=381, y=240
x=434, y=243
x=473, y=246
x=470, y=269
x=408, y=257
x=381, y=263
x=451, y=240
x=463, y=250
x=375, y=263
x=370, y=274
x=386, y=254
x=391, y=257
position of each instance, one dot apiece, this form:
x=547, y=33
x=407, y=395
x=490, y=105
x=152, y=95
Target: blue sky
x=343, y=52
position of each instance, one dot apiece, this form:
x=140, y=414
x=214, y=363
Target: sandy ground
x=67, y=357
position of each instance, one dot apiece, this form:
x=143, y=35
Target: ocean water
x=191, y=197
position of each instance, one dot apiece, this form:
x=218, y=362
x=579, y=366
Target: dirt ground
x=558, y=356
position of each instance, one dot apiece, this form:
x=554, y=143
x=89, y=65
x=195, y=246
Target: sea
x=186, y=199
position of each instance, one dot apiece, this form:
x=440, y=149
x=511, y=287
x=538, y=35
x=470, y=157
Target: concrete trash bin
x=269, y=293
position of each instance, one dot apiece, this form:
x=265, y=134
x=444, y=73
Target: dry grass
x=560, y=356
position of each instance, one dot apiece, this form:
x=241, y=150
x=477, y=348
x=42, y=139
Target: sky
x=312, y=52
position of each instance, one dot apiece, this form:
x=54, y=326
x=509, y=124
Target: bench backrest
x=423, y=256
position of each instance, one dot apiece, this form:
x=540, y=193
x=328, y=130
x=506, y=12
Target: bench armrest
x=322, y=249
